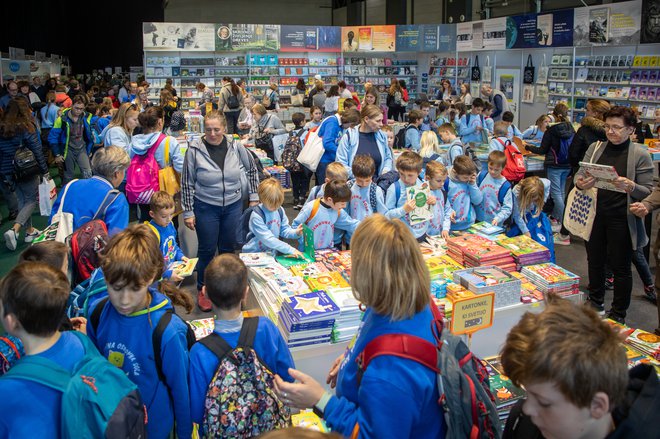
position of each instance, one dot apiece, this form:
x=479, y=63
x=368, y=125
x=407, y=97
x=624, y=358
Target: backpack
x=540, y=230
x=156, y=335
x=372, y=195
x=467, y=119
x=267, y=101
x=240, y=400
x=243, y=234
x=315, y=209
x=561, y=156
x=514, y=169
x=25, y=164
x=90, y=239
x=292, y=149
x=98, y=399
x=97, y=140
x=468, y=151
x=232, y=101
x=11, y=350
x=386, y=180
x=501, y=192
x=400, y=138
x=467, y=403
x=142, y=175
x=79, y=298
x=398, y=97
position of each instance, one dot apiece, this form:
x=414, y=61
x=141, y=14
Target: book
x=646, y=60
x=311, y=307
x=565, y=60
x=202, y=327
x=582, y=74
x=256, y=259
x=422, y=211
x=646, y=342
x=184, y=268
x=309, y=270
x=599, y=25
x=326, y=281
x=308, y=419
x=555, y=60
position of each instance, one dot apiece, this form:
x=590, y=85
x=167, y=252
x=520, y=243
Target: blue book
x=287, y=322
x=312, y=306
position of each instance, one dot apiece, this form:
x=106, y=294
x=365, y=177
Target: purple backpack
x=142, y=175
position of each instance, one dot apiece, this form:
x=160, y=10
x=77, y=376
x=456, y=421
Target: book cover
x=504, y=391
x=653, y=62
x=422, y=211
x=654, y=76
x=648, y=341
x=637, y=61
x=555, y=60
x=636, y=75
x=308, y=419
x=202, y=327
x=641, y=93
x=316, y=305
x=644, y=77
x=599, y=25
x=565, y=60
x=651, y=96
x=646, y=60
x=326, y=281
x=309, y=270
x=582, y=74
x=598, y=61
x=256, y=259
x=184, y=269
x=607, y=61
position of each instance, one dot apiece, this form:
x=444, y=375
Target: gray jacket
x=203, y=180
x=640, y=171
x=225, y=92
x=268, y=121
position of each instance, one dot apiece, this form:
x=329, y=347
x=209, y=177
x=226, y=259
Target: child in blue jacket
x=330, y=131
x=227, y=288
x=334, y=171
x=409, y=165
x=413, y=133
x=326, y=214
x=500, y=137
x=161, y=211
x=448, y=136
x=443, y=214
x=488, y=121
x=472, y=124
x=366, y=197
x=497, y=201
x=122, y=329
x=529, y=196
x=463, y=193
x=268, y=222
x=512, y=130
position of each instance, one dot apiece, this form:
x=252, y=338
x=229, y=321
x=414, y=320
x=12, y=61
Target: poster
x=481, y=35
x=650, y=21
x=12, y=69
x=309, y=39
x=16, y=53
x=542, y=94
x=368, y=38
x=408, y=38
x=464, y=37
x=494, y=34
x=178, y=36
x=447, y=38
x=553, y=29
x=39, y=56
x=429, y=36
x=247, y=37
x=613, y=24
x=508, y=82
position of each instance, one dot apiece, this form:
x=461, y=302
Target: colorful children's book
x=326, y=281
x=256, y=259
x=184, y=269
x=422, y=211
x=202, y=327
x=308, y=419
x=311, y=307
x=646, y=342
x=309, y=270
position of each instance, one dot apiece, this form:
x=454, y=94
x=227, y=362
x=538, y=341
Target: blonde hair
x=599, y=106
x=273, y=86
x=389, y=274
x=429, y=144
x=434, y=169
x=123, y=113
x=271, y=193
x=217, y=115
x=500, y=128
x=532, y=194
x=497, y=158
x=336, y=171
x=370, y=112
x=161, y=200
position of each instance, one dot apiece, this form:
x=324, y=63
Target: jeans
x=300, y=185
x=216, y=231
x=642, y=266
x=27, y=192
x=232, y=121
x=557, y=177
x=320, y=172
x=82, y=159
x=610, y=242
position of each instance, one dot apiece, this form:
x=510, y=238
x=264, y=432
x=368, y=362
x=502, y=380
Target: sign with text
x=368, y=38
x=472, y=314
x=310, y=39
x=554, y=29
x=178, y=36
x=613, y=24
x=246, y=37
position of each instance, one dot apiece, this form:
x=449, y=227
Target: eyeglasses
x=78, y=108
x=614, y=128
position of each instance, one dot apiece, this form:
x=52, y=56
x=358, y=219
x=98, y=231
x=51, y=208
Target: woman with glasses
x=218, y=174
x=616, y=232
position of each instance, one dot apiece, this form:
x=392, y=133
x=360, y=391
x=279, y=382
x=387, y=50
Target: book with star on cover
x=314, y=306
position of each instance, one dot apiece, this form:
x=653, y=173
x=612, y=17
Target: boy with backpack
x=472, y=123
x=512, y=130
x=413, y=134
x=448, y=136
x=231, y=370
x=463, y=192
x=500, y=139
x=334, y=171
x=366, y=197
x=300, y=177
x=428, y=124
x=488, y=121
x=161, y=211
x=63, y=387
x=443, y=214
x=497, y=203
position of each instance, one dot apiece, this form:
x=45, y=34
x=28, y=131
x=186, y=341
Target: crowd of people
x=359, y=202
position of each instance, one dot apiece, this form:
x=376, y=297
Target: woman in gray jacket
x=230, y=103
x=218, y=173
x=265, y=126
x=616, y=232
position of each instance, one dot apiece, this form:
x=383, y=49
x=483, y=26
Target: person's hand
x=175, y=277
x=254, y=203
x=190, y=223
x=409, y=206
x=639, y=209
x=79, y=324
x=303, y=394
x=494, y=222
x=445, y=234
x=527, y=234
x=334, y=370
x=624, y=184
x=473, y=178
x=46, y=176
x=479, y=129
x=299, y=230
x=584, y=183
x=268, y=130
x=59, y=159
x=431, y=200
x=452, y=217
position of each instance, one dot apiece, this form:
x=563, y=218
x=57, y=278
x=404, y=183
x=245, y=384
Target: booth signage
x=472, y=314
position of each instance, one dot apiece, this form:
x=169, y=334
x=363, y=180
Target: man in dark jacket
x=574, y=370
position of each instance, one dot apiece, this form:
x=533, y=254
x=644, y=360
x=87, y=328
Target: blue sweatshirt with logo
x=126, y=342
x=360, y=205
x=268, y=344
x=441, y=214
x=323, y=224
x=33, y=410
x=266, y=232
x=491, y=208
x=395, y=207
x=397, y=397
x=463, y=198
x=168, y=246
x=469, y=132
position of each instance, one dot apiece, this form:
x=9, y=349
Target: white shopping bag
x=47, y=195
x=278, y=145
x=580, y=212
x=312, y=151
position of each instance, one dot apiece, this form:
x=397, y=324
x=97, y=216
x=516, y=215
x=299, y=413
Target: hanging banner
x=309, y=39
x=614, y=24
x=39, y=56
x=368, y=39
x=481, y=35
x=530, y=31
x=12, y=69
x=464, y=37
x=178, y=36
x=247, y=37
x=447, y=37
x=429, y=36
x=650, y=22
x=16, y=53
x=408, y=38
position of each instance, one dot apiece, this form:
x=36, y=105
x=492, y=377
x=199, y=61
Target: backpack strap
x=105, y=204
x=248, y=332
x=372, y=197
x=481, y=176
x=501, y=193
x=216, y=344
x=66, y=189
x=157, y=341
x=166, y=152
x=397, y=191
x=153, y=229
x=154, y=147
x=315, y=209
x=42, y=371
x=95, y=318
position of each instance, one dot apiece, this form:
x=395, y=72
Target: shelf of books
x=379, y=70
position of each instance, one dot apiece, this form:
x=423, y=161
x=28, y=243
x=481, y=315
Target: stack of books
x=486, y=229
x=257, y=259
x=308, y=319
x=348, y=322
x=456, y=245
x=525, y=250
x=505, y=392
x=281, y=289
x=442, y=267
x=309, y=269
x=551, y=278
x=529, y=293
x=489, y=254
x=645, y=342
x=339, y=261
x=326, y=281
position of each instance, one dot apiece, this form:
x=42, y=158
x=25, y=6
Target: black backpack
x=372, y=195
x=292, y=149
x=243, y=234
x=25, y=164
x=232, y=102
x=400, y=138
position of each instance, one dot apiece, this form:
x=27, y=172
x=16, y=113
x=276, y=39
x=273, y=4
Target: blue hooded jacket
x=348, y=146
x=330, y=131
x=58, y=138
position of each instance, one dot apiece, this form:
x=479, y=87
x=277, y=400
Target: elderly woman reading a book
x=616, y=233
x=388, y=396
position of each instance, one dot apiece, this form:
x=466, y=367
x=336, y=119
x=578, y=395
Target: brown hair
x=259, y=109
x=217, y=115
x=463, y=165
x=271, y=193
x=560, y=112
x=540, y=119
x=350, y=116
x=414, y=116
x=226, y=281
x=336, y=171
x=119, y=119
x=448, y=128
x=389, y=274
x=626, y=113
x=17, y=118
x=166, y=97
x=569, y=346
x=435, y=168
x=373, y=92
x=52, y=253
x=338, y=190
x=532, y=192
x=599, y=106
x=149, y=119
x=50, y=96
x=371, y=112
x=500, y=128
x=409, y=161
x=36, y=293
x=497, y=158
x=395, y=87
x=133, y=257
x=161, y=200
x=298, y=433
x=363, y=166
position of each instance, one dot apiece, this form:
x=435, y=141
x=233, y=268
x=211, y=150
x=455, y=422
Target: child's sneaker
x=650, y=294
x=562, y=239
x=203, y=302
x=29, y=237
x=598, y=307
x=11, y=239
x=609, y=283
x=556, y=225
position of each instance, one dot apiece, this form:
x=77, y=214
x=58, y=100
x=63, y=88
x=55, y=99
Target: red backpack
x=90, y=239
x=515, y=168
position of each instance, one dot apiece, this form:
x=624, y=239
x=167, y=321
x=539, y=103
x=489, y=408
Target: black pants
x=610, y=242
x=232, y=121
x=300, y=184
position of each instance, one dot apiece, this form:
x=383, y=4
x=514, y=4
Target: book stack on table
x=525, y=250
x=308, y=319
x=551, y=278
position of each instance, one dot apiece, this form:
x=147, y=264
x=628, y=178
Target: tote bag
x=580, y=209
x=312, y=151
x=47, y=195
x=476, y=71
x=61, y=227
x=528, y=74
x=168, y=178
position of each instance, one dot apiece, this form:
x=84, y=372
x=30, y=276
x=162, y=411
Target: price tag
x=472, y=314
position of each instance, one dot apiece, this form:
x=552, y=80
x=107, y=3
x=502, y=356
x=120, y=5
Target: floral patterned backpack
x=240, y=400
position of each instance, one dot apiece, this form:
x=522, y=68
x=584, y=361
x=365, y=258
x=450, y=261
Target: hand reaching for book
x=334, y=370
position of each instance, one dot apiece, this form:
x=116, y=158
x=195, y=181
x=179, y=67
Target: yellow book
x=646, y=60
x=654, y=61
x=307, y=419
x=637, y=61
x=326, y=281
x=185, y=269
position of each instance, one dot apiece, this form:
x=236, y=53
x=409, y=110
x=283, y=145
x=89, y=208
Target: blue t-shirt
x=367, y=145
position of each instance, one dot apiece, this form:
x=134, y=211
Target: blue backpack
x=540, y=230
x=501, y=193
x=386, y=180
x=372, y=195
x=243, y=234
x=83, y=293
x=561, y=156
x=98, y=399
